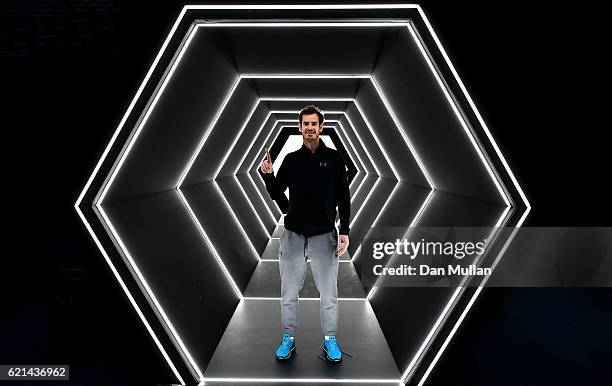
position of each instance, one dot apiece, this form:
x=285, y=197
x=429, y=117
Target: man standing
x=317, y=181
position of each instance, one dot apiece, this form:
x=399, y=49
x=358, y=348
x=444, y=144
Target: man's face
x=310, y=127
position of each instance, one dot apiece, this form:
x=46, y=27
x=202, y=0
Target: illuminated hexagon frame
x=472, y=113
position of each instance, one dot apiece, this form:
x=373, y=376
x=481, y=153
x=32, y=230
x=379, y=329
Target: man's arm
x=276, y=186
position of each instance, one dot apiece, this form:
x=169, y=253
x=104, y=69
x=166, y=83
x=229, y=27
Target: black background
x=69, y=70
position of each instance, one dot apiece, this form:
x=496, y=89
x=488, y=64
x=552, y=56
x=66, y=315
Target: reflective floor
x=206, y=259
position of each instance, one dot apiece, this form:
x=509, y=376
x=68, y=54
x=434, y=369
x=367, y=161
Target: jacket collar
x=319, y=149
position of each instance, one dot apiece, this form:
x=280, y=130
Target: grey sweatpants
x=322, y=250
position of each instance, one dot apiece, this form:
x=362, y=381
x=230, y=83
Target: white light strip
x=350, y=152
x=402, y=132
x=303, y=24
x=301, y=380
x=458, y=115
x=210, y=245
x=235, y=141
x=263, y=200
x=302, y=6
x=298, y=99
x=150, y=293
x=248, y=172
x=473, y=106
x=504, y=162
x=95, y=172
x=306, y=7
x=378, y=174
x=129, y=296
x=246, y=152
x=341, y=261
x=452, y=332
x=432, y=332
x=366, y=172
x=265, y=121
x=364, y=202
x=130, y=107
x=412, y=224
x=382, y=149
x=473, y=299
x=229, y=208
x=385, y=205
x=207, y=133
x=274, y=298
x=446, y=310
x=222, y=163
x=263, y=226
x=363, y=146
x=305, y=76
x=132, y=141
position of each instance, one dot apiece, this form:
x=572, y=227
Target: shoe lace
x=286, y=341
x=331, y=342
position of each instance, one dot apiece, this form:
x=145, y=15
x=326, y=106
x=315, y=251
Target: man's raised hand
x=266, y=166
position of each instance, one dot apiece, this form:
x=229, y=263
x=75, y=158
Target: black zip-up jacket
x=317, y=183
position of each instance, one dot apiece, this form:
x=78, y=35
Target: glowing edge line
x=97, y=169
x=139, y=92
x=302, y=6
x=210, y=245
x=470, y=303
x=275, y=127
x=435, y=329
x=504, y=162
x=473, y=106
x=458, y=115
x=222, y=163
x=312, y=7
x=412, y=224
x=207, y=133
x=129, y=296
x=411, y=147
x=150, y=292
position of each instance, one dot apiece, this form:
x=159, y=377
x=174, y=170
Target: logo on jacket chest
x=322, y=163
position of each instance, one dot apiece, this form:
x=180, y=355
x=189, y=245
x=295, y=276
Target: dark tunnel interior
x=197, y=235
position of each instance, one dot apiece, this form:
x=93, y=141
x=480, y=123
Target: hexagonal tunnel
x=180, y=211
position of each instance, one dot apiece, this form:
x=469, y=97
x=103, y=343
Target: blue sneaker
x=287, y=345
x=331, y=348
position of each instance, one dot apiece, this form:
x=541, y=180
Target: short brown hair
x=311, y=109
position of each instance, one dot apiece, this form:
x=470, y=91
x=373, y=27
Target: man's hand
x=343, y=244
x=266, y=166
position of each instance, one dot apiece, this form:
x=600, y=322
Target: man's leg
x=323, y=253
x=292, y=264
